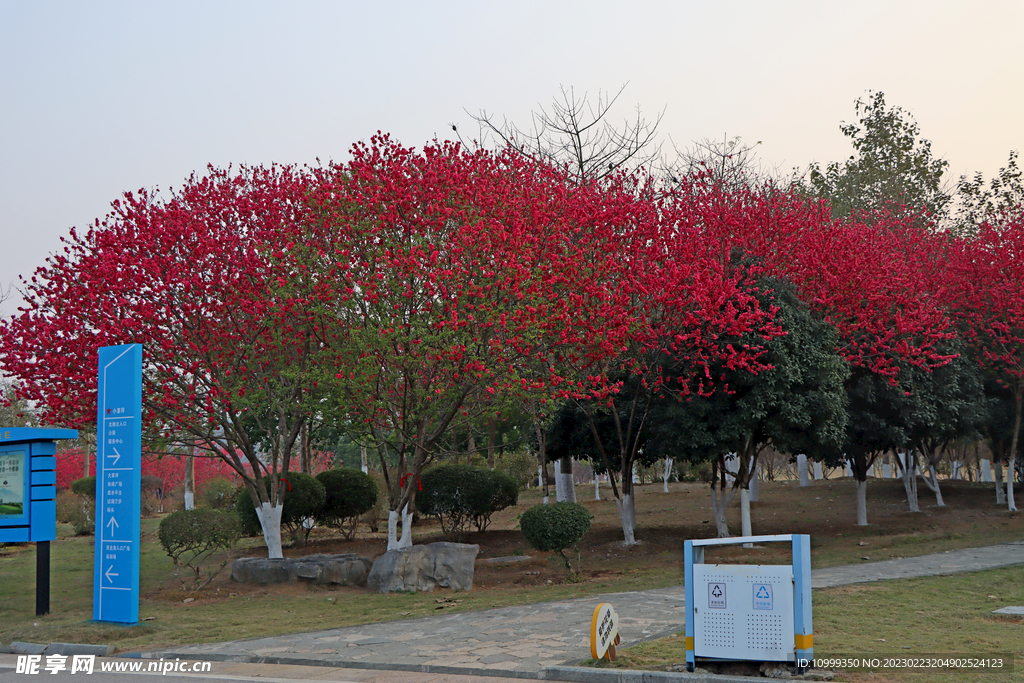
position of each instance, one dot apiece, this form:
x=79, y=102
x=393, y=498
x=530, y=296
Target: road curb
x=570, y=674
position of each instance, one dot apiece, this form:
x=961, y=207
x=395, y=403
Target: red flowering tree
x=860, y=276
x=988, y=272
x=205, y=281
x=458, y=276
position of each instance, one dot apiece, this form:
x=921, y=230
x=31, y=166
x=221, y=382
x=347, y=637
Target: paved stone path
x=527, y=639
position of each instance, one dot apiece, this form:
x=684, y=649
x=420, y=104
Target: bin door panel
x=743, y=612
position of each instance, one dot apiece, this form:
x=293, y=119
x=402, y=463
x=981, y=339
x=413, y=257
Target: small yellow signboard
x=604, y=632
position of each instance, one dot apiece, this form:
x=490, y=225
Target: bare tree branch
x=578, y=133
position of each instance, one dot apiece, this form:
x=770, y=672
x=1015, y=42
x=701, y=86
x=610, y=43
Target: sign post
x=118, y=486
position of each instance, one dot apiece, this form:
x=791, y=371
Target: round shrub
x=217, y=493
x=191, y=537
x=521, y=466
x=303, y=498
x=349, y=493
x=460, y=495
x=555, y=527
x=86, y=486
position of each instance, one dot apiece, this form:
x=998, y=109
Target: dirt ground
x=825, y=510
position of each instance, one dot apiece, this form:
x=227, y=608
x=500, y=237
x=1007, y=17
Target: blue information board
x=28, y=483
x=118, y=486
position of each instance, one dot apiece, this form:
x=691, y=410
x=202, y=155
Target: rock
x=424, y=568
x=776, y=670
x=346, y=570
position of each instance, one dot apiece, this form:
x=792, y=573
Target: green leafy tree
x=796, y=406
x=891, y=171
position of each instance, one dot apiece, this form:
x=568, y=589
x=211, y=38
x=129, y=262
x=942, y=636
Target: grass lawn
x=944, y=616
x=227, y=611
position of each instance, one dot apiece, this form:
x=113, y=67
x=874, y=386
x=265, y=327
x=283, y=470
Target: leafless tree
x=580, y=134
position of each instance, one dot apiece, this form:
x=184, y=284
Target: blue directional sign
x=118, y=489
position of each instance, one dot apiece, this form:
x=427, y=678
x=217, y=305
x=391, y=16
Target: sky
x=98, y=98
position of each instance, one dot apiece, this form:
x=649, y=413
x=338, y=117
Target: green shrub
x=78, y=511
x=349, y=493
x=192, y=537
x=86, y=486
x=303, y=499
x=217, y=493
x=555, y=528
x=520, y=466
x=460, y=495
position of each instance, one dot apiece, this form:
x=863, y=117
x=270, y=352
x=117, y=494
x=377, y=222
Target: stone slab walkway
x=524, y=641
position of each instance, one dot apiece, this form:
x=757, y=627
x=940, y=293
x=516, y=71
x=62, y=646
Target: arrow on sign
x=112, y=524
x=109, y=573
x=116, y=456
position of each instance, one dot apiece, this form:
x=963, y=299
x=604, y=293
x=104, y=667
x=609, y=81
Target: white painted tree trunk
x=986, y=471
x=270, y=522
x=540, y=476
x=997, y=476
x=886, y=471
x=801, y=468
x=908, y=468
x=933, y=483
x=954, y=469
x=362, y=456
x=719, y=505
x=559, y=482
x=597, y=487
x=849, y=469
x=817, y=471
x=393, y=529
x=190, y=480
x=745, y=526
x=627, y=516
x=665, y=476
x=862, y=503
x=406, y=540
x=568, y=485
x=1010, y=502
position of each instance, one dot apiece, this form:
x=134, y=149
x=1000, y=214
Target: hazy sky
x=97, y=98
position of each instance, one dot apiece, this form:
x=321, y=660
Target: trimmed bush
x=192, y=537
x=86, y=486
x=349, y=493
x=460, y=495
x=555, y=528
x=78, y=511
x=520, y=466
x=303, y=498
x=217, y=493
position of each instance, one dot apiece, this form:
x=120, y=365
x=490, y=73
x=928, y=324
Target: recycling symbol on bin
x=763, y=592
x=717, y=591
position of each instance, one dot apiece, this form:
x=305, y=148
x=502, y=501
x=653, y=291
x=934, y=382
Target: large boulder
x=424, y=568
x=347, y=570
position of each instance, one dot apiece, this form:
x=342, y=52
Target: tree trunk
x=406, y=539
x=801, y=466
x=559, y=482
x=719, y=505
x=305, y=451
x=932, y=482
x=755, y=468
x=190, y=484
x=362, y=457
x=1011, y=470
x=270, y=522
x=908, y=465
x=568, y=481
x=393, y=529
x=597, y=485
x=627, y=516
x=668, y=471
x=997, y=471
x=862, y=502
x=745, y=527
